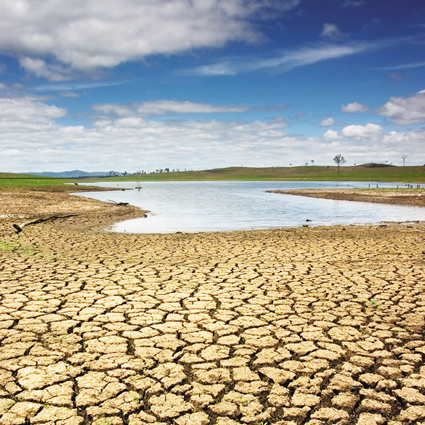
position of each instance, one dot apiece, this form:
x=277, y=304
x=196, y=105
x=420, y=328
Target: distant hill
x=78, y=174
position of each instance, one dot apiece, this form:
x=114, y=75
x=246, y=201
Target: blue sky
x=196, y=84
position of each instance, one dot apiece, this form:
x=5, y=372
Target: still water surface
x=220, y=206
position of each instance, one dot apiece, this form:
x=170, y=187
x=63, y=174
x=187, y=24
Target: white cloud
x=88, y=34
x=64, y=87
x=40, y=68
x=169, y=107
x=404, y=66
x=366, y=132
x=362, y=131
x=165, y=107
x=34, y=139
x=331, y=135
x=224, y=68
x=354, y=107
x=369, y=143
x=332, y=32
x=286, y=61
x=405, y=111
x=328, y=122
x=283, y=62
x=132, y=142
x=27, y=111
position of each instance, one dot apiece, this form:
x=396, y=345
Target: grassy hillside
x=312, y=173
x=366, y=172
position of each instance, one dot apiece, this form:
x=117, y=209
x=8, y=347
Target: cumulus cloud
x=27, y=111
x=88, y=34
x=405, y=111
x=331, y=135
x=362, y=131
x=34, y=138
x=354, y=107
x=328, y=122
x=357, y=132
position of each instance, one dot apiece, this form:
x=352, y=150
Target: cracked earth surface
x=309, y=326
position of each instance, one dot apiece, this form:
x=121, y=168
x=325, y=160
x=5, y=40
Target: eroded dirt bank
x=309, y=326
x=410, y=197
x=20, y=206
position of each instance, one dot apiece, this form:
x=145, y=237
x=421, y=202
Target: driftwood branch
x=18, y=228
x=122, y=204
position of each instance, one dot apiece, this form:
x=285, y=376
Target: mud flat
x=414, y=197
x=312, y=326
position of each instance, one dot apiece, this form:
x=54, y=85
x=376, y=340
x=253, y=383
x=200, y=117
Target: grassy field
x=309, y=173
x=11, y=181
x=414, y=174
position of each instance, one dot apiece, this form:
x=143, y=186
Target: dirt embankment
x=411, y=197
x=21, y=206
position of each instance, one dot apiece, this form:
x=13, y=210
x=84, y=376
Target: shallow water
x=220, y=206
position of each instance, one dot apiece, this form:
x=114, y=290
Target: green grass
x=10, y=181
x=414, y=174
x=19, y=181
x=9, y=246
x=367, y=172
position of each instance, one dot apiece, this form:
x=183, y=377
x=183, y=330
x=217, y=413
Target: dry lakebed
x=312, y=326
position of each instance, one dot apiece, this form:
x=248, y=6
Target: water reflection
x=219, y=206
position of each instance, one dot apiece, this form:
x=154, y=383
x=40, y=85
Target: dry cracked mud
x=310, y=326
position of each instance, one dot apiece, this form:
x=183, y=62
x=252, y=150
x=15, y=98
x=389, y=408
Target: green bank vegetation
x=12, y=181
x=21, y=181
x=367, y=172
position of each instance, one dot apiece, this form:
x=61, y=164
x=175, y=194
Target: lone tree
x=339, y=159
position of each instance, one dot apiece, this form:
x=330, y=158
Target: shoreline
x=17, y=206
x=408, y=197
x=89, y=214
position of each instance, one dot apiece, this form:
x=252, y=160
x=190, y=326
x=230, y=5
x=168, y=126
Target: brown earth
x=22, y=206
x=414, y=197
x=310, y=326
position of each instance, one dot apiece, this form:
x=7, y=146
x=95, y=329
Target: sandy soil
x=311, y=326
x=24, y=206
x=414, y=197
